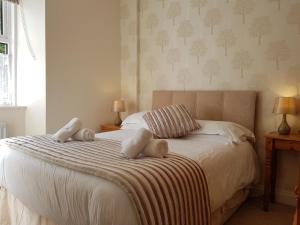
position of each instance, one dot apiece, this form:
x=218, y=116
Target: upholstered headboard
x=234, y=106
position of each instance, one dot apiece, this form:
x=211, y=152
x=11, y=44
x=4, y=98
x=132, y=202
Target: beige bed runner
x=169, y=191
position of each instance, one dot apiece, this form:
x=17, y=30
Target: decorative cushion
x=171, y=121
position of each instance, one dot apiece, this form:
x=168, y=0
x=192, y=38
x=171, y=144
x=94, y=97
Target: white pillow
x=135, y=121
x=235, y=133
x=134, y=126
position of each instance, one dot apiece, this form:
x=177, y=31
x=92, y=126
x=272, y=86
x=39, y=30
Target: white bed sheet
x=69, y=197
x=228, y=168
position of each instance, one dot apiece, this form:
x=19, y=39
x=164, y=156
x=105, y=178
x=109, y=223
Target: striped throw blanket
x=169, y=191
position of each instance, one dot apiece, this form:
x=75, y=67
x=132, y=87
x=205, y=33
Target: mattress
x=14, y=212
x=83, y=199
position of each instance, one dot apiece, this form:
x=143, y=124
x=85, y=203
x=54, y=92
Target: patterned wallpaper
x=215, y=44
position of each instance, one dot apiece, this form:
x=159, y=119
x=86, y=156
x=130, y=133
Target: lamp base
x=284, y=128
x=118, y=120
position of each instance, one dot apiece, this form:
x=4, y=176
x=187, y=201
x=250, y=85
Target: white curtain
x=5, y=81
x=13, y=1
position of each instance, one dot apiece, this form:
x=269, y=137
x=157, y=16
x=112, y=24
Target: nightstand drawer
x=287, y=145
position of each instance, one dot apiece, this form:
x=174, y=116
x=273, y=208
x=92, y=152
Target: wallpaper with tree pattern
x=214, y=45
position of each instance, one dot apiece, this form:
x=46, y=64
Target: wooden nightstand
x=109, y=127
x=274, y=143
x=297, y=213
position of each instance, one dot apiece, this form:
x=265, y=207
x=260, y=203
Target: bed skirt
x=13, y=212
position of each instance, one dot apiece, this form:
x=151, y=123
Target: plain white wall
x=15, y=119
x=83, y=61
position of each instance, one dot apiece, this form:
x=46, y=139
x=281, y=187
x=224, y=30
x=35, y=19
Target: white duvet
x=69, y=197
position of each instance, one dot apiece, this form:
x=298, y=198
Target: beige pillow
x=171, y=121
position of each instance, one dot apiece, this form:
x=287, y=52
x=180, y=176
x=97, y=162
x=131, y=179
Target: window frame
x=9, y=37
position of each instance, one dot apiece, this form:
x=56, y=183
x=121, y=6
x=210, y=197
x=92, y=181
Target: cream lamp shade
x=118, y=106
x=285, y=105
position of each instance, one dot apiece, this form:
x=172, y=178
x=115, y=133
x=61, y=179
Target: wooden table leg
x=273, y=175
x=298, y=212
x=268, y=173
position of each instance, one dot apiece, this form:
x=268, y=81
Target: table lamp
x=118, y=107
x=284, y=106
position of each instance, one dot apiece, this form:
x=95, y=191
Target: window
x=7, y=54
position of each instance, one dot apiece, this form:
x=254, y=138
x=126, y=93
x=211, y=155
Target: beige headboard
x=234, y=106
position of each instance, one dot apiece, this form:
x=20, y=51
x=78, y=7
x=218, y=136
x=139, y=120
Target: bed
x=27, y=183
